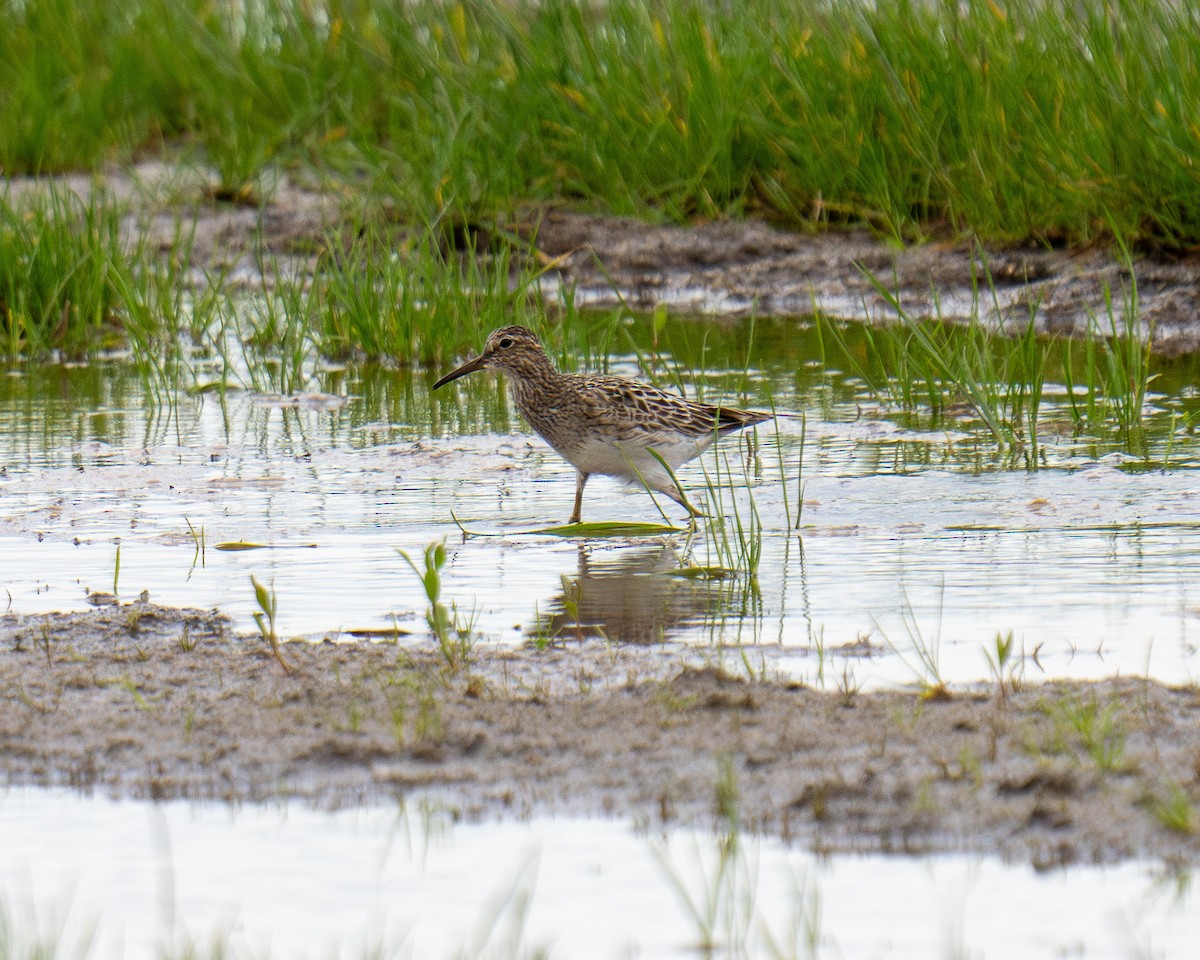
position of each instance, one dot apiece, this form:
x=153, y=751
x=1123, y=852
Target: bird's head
x=514, y=349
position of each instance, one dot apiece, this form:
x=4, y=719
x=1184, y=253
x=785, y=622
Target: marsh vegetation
x=948, y=244
x=1048, y=121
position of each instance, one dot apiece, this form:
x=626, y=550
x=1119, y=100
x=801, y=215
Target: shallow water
x=151, y=879
x=915, y=547
x=916, y=544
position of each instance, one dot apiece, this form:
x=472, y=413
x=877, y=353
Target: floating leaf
x=213, y=386
x=606, y=528
x=701, y=573
x=609, y=528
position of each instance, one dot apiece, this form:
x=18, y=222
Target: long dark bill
x=469, y=367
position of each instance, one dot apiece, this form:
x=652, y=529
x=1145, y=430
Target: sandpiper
x=607, y=425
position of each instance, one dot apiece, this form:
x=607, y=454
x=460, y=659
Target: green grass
x=408, y=300
x=433, y=120
x=734, y=530
x=1110, y=370
x=70, y=287
x=1054, y=121
x=454, y=632
x=1175, y=810
x=62, y=270
x=925, y=663
x=1082, y=726
x=999, y=368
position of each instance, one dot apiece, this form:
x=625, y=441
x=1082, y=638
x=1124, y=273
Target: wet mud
x=733, y=268
x=142, y=700
x=742, y=268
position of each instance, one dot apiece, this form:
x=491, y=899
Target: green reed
x=275, y=331
x=998, y=367
x=1109, y=372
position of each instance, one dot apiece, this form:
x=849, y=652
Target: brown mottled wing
x=630, y=409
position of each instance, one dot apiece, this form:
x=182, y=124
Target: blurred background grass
x=1055, y=122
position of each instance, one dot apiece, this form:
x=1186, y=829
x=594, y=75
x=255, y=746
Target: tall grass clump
x=70, y=287
x=62, y=272
x=410, y=300
x=64, y=99
x=168, y=325
x=938, y=366
x=275, y=331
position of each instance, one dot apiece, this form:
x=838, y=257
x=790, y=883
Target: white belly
x=633, y=462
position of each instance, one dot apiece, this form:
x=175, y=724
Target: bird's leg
x=675, y=493
x=580, y=480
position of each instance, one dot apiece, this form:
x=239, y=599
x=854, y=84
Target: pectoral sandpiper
x=606, y=425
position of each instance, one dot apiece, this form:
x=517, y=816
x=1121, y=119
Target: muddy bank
x=148, y=701
x=750, y=267
x=724, y=268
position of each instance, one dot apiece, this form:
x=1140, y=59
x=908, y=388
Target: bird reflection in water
x=631, y=595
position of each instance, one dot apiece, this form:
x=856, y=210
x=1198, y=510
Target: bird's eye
x=505, y=343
